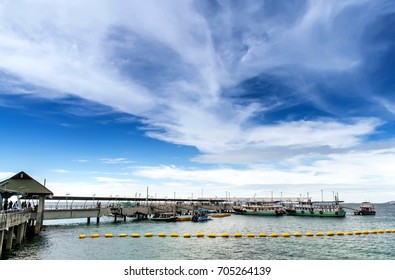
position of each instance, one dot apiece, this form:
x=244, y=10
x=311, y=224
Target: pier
x=69, y=207
x=26, y=203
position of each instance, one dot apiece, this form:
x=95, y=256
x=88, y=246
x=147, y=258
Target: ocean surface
x=60, y=239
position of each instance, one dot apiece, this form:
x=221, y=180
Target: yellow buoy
x=108, y=235
x=95, y=235
x=330, y=233
x=162, y=234
x=319, y=233
x=340, y=233
x=349, y=233
x=123, y=234
x=387, y=231
x=238, y=234
x=309, y=234
x=286, y=234
x=187, y=235
x=380, y=231
x=262, y=234
x=200, y=234
x=212, y=235
x=250, y=234
x=225, y=234
x=298, y=234
x=135, y=235
x=393, y=230
x=357, y=232
x=274, y=234
x=82, y=236
x=365, y=231
x=149, y=234
x=174, y=234
x=373, y=231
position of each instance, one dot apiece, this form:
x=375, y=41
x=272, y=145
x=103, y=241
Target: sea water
x=60, y=240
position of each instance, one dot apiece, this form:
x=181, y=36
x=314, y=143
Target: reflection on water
x=60, y=239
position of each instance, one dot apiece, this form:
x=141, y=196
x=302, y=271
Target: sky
x=194, y=99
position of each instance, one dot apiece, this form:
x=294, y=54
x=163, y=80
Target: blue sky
x=192, y=97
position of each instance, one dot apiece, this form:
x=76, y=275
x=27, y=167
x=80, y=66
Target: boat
x=263, y=208
x=221, y=215
x=201, y=215
x=310, y=208
x=366, y=208
x=184, y=218
x=164, y=217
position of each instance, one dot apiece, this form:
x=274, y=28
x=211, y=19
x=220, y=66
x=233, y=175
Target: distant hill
x=390, y=202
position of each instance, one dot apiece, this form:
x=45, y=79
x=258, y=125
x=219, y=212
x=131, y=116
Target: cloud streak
x=183, y=67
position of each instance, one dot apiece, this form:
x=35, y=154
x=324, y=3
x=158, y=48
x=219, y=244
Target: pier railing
x=12, y=218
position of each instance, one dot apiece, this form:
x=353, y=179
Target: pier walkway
x=13, y=223
x=73, y=207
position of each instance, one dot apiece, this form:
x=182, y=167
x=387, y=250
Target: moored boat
x=201, y=215
x=366, y=208
x=164, y=217
x=184, y=218
x=263, y=208
x=310, y=208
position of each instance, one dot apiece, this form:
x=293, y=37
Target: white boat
x=164, y=217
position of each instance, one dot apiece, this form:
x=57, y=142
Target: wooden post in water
x=1, y=241
x=88, y=220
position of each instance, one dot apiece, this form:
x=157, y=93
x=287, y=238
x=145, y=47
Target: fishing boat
x=164, y=217
x=366, y=208
x=310, y=208
x=262, y=208
x=201, y=215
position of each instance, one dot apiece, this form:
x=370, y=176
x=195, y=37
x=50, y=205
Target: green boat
x=272, y=208
x=310, y=208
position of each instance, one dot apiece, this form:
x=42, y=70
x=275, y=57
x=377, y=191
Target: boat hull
x=172, y=219
x=259, y=213
x=365, y=213
x=338, y=214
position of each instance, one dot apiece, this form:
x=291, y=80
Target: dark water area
x=60, y=239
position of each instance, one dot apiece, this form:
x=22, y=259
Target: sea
x=60, y=239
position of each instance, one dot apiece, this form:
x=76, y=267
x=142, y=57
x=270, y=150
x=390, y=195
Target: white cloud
x=65, y=48
x=352, y=174
x=6, y=175
x=115, y=160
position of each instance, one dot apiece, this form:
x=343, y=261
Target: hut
x=29, y=189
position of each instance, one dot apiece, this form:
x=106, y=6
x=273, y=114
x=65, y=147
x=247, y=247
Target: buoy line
x=238, y=235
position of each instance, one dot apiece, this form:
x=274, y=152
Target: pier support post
x=88, y=220
x=40, y=215
x=124, y=218
x=8, y=244
x=20, y=233
x=1, y=241
x=97, y=220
